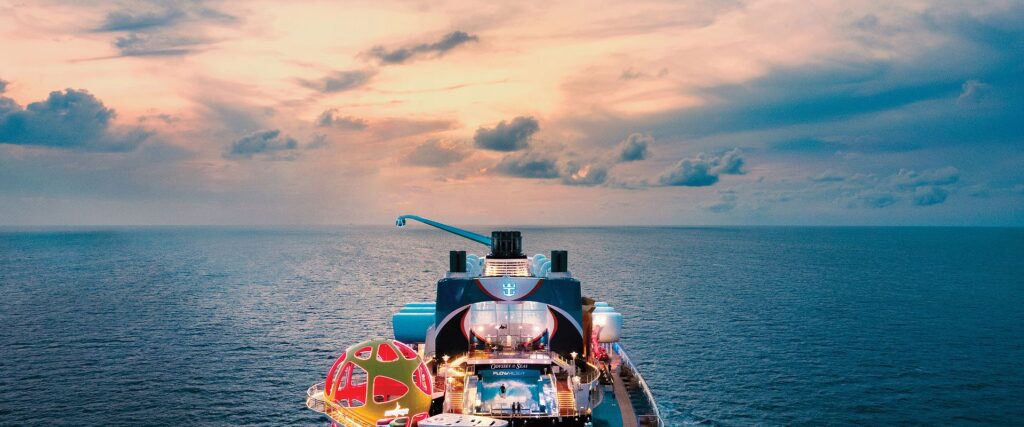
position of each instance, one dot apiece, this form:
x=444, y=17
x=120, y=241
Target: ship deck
x=617, y=412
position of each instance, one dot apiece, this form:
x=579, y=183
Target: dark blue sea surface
x=730, y=326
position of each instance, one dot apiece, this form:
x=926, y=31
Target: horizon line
x=285, y=225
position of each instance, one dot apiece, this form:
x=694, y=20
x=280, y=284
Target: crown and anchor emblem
x=508, y=287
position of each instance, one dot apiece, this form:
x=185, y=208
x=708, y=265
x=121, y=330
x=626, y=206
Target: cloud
x=811, y=95
x=584, y=174
x=689, y=173
x=400, y=55
x=528, y=164
x=731, y=163
x=633, y=148
x=591, y=173
x=140, y=44
x=925, y=188
x=235, y=115
x=383, y=128
x=162, y=117
x=545, y=164
x=317, y=142
x=911, y=100
x=726, y=202
x=876, y=199
x=930, y=195
x=703, y=170
x=806, y=145
x=507, y=136
x=161, y=28
x=828, y=176
x=437, y=153
x=339, y=81
x=783, y=98
x=980, y=191
x=3, y=85
x=267, y=142
x=400, y=127
x=631, y=74
x=72, y=119
x=331, y=118
x=124, y=20
x=974, y=92
x=911, y=179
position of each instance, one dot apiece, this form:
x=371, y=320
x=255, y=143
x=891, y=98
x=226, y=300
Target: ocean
x=730, y=326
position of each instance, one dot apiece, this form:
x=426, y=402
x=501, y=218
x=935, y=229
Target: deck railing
x=510, y=354
x=316, y=401
x=561, y=361
x=588, y=373
x=315, y=398
x=653, y=419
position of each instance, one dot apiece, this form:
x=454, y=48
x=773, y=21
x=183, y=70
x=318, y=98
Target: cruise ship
x=510, y=340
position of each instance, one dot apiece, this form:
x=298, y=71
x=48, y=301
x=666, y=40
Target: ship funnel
x=559, y=261
x=457, y=261
x=506, y=244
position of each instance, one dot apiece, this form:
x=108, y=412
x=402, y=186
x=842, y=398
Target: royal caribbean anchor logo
x=508, y=287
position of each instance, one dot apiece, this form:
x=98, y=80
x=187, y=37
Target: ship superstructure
x=511, y=340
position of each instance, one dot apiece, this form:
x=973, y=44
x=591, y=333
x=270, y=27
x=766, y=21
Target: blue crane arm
x=481, y=239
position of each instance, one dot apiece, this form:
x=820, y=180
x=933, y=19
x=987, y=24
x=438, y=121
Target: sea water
x=730, y=326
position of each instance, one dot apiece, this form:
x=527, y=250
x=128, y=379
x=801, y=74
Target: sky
x=527, y=112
